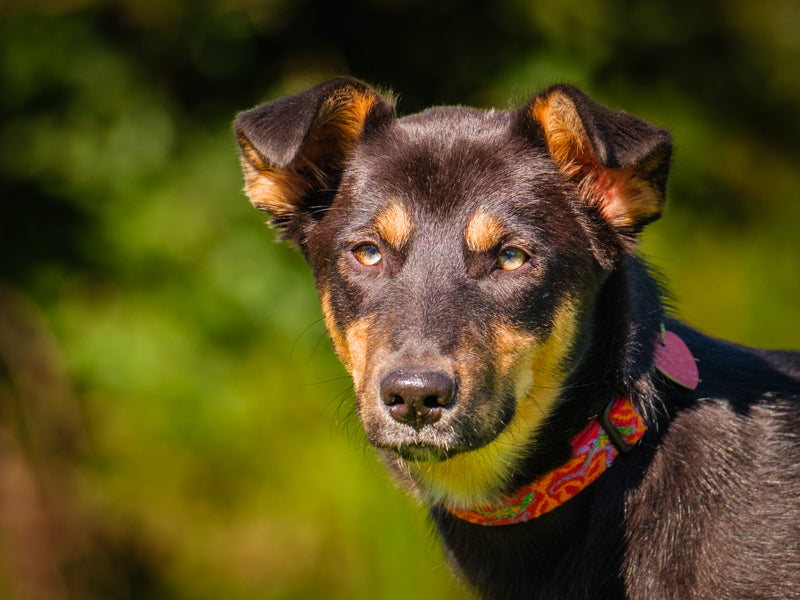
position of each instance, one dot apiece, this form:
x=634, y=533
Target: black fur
x=706, y=506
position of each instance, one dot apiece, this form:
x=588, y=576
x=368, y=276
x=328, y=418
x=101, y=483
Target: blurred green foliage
x=173, y=423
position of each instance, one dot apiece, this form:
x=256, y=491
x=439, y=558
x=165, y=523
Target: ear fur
x=294, y=149
x=619, y=161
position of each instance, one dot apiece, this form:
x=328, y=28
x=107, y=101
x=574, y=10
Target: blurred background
x=173, y=423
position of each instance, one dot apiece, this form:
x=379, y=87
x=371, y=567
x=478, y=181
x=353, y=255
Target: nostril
x=393, y=400
x=434, y=401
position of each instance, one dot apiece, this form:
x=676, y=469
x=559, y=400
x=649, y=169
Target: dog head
x=457, y=254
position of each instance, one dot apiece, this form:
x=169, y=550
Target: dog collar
x=594, y=450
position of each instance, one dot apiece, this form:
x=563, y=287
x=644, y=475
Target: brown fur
x=394, y=225
x=473, y=375
x=483, y=232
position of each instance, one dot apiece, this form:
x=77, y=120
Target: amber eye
x=511, y=258
x=367, y=254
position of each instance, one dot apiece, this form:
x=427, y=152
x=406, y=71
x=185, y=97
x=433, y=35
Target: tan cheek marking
x=337, y=336
x=357, y=338
x=477, y=477
x=394, y=225
x=483, y=232
x=509, y=344
x=549, y=368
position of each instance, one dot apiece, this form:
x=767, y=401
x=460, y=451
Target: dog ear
x=619, y=162
x=293, y=150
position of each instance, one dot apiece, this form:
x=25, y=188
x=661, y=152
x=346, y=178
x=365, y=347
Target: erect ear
x=619, y=161
x=293, y=150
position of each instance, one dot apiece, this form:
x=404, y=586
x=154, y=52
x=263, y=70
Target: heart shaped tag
x=675, y=361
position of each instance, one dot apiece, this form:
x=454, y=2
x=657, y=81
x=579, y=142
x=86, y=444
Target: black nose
x=417, y=398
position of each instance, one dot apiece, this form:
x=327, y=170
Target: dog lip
x=438, y=442
x=411, y=447
x=422, y=452
x=424, y=445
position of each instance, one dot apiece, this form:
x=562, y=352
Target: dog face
x=457, y=254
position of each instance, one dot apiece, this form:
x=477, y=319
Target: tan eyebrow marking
x=394, y=225
x=483, y=232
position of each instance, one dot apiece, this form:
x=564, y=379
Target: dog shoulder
x=730, y=459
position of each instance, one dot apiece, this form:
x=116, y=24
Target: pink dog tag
x=674, y=359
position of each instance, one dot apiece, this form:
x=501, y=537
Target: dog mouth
x=438, y=451
x=419, y=452
x=432, y=411
x=461, y=427
x=431, y=443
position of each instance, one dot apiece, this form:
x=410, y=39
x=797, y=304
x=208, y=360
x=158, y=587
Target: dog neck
x=616, y=431
x=594, y=450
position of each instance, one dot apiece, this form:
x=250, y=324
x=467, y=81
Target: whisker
x=313, y=324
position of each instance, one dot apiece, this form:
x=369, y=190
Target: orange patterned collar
x=593, y=451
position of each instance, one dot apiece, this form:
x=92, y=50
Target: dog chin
x=421, y=452
x=433, y=443
x=426, y=446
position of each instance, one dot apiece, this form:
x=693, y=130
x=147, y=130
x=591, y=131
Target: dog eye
x=511, y=258
x=367, y=254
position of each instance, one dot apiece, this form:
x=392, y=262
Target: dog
x=513, y=361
